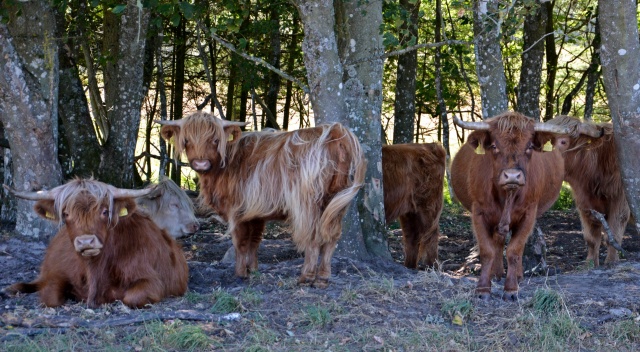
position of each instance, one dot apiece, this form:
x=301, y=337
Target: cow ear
x=169, y=131
x=544, y=141
x=479, y=139
x=233, y=133
x=46, y=209
x=124, y=207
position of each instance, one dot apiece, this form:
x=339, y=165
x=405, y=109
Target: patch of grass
x=547, y=301
x=458, y=309
x=187, y=337
x=383, y=287
x=318, y=316
x=627, y=330
x=565, y=199
x=194, y=297
x=349, y=295
x=250, y=297
x=224, y=302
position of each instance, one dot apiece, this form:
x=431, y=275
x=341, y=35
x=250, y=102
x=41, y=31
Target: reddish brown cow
x=505, y=180
x=307, y=177
x=413, y=176
x=592, y=170
x=105, y=249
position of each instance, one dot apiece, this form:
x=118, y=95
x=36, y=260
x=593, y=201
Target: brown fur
x=138, y=264
x=307, y=177
x=592, y=170
x=413, y=176
x=510, y=144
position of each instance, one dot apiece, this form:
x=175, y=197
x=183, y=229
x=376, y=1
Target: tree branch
x=265, y=108
x=425, y=45
x=607, y=229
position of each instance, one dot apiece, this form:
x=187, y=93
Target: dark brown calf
x=413, y=176
x=105, y=250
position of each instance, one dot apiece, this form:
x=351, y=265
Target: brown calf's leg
x=310, y=265
x=240, y=237
x=255, y=229
x=617, y=221
x=410, y=239
x=487, y=249
x=497, y=270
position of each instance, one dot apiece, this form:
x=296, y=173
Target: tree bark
x=552, y=63
x=489, y=66
x=117, y=166
x=29, y=108
x=594, y=72
x=405, y=98
x=276, y=51
x=291, y=61
x=535, y=23
x=351, y=94
x=620, y=56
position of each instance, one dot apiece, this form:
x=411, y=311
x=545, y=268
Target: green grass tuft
x=547, y=301
x=224, y=302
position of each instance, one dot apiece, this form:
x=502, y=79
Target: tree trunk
x=535, y=23
x=276, y=51
x=489, y=66
x=594, y=72
x=356, y=102
x=180, y=40
x=291, y=61
x=81, y=141
x=29, y=108
x=405, y=99
x=552, y=63
x=620, y=56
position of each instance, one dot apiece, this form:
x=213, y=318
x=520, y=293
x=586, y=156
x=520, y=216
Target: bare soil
x=369, y=305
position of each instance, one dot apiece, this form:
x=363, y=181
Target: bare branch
x=425, y=45
x=212, y=86
x=607, y=229
x=265, y=108
x=257, y=60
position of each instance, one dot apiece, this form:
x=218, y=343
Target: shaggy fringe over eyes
x=166, y=185
x=200, y=129
x=579, y=140
x=68, y=195
x=509, y=121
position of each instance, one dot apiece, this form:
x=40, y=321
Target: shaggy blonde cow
x=307, y=177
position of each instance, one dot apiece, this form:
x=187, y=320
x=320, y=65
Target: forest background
x=82, y=81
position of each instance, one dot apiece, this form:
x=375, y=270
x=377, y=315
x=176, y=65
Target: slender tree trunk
x=291, y=61
x=594, y=72
x=620, y=56
x=180, y=38
x=405, y=98
x=489, y=66
x=535, y=23
x=276, y=51
x=552, y=63
x=231, y=87
x=73, y=107
x=29, y=107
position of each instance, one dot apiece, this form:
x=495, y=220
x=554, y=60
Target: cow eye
x=216, y=141
x=186, y=143
x=105, y=212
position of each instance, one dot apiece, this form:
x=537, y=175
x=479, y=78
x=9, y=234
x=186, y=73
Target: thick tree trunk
x=405, y=99
x=117, y=166
x=620, y=56
x=489, y=66
x=552, y=64
x=29, y=108
x=533, y=53
x=276, y=51
x=356, y=102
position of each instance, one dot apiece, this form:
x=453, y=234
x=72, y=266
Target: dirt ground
x=382, y=297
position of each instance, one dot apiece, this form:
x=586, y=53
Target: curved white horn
x=130, y=193
x=547, y=127
x=591, y=130
x=470, y=125
x=40, y=195
x=169, y=122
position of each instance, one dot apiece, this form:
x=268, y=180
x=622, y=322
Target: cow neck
x=505, y=218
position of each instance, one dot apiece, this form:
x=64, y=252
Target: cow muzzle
x=87, y=245
x=200, y=165
x=511, y=179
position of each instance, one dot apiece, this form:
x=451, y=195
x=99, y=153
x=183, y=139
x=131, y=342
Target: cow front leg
x=310, y=265
x=592, y=234
x=515, y=250
x=487, y=249
x=410, y=239
x=618, y=219
x=143, y=292
x=240, y=236
x=255, y=230
x=497, y=269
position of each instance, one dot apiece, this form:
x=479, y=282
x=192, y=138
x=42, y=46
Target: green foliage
x=458, y=306
x=318, y=316
x=627, y=330
x=565, y=200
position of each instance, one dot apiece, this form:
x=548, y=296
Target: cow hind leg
x=310, y=265
x=255, y=230
x=617, y=224
x=324, y=271
x=410, y=239
x=53, y=293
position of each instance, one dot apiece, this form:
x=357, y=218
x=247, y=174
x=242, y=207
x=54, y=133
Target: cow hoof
x=510, y=296
x=305, y=281
x=240, y=280
x=321, y=283
x=484, y=296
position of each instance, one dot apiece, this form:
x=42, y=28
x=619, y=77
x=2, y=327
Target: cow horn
x=169, y=122
x=547, y=127
x=40, y=195
x=130, y=193
x=590, y=130
x=470, y=125
x=226, y=123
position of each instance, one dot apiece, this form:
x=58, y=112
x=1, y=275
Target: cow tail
x=332, y=217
